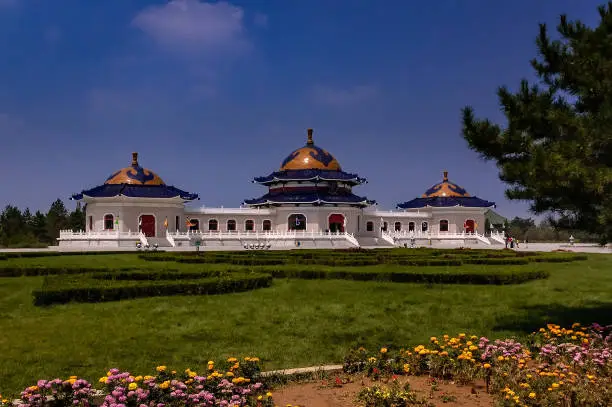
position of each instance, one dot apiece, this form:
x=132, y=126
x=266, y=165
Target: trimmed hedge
x=62, y=290
x=29, y=271
x=13, y=255
x=408, y=276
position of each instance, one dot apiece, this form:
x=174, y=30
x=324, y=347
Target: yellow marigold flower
x=433, y=339
x=149, y=377
x=229, y=374
x=132, y=386
x=372, y=359
x=532, y=395
x=259, y=397
x=575, y=325
x=423, y=352
x=164, y=385
x=383, y=350
x=160, y=368
x=406, y=368
x=500, y=358
x=103, y=379
x=269, y=394
x=108, y=373
x=585, y=341
x=232, y=360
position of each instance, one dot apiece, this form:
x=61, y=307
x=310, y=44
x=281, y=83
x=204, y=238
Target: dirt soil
x=323, y=393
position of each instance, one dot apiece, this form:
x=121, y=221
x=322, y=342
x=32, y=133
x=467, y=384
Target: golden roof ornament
x=134, y=159
x=310, y=142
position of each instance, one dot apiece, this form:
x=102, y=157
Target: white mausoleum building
x=309, y=204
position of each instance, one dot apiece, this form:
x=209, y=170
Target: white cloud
x=334, y=96
x=194, y=26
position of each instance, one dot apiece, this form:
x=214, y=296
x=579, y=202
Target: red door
x=147, y=225
x=469, y=226
x=336, y=222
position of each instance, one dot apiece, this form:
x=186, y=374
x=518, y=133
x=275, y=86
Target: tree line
x=24, y=229
x=545, y=231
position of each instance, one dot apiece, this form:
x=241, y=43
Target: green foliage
x=61, y=289
x=556, y=149
x=24, y=229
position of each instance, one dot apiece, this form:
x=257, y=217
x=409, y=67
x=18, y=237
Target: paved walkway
x=538, y=247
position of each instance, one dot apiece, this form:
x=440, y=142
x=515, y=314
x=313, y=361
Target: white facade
x=235, y=227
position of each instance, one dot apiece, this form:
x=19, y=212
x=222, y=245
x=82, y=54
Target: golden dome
x=445, y=189
x=310, y=157
x=135, y=175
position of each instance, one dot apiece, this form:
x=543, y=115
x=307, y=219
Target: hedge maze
x=112, y=276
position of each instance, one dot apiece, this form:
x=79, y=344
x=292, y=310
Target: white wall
x=129, y=211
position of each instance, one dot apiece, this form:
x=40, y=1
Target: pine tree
x=57, y=219
x=39, y=227
x=556, y=149
x=77, y=219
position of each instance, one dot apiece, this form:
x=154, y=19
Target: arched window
x=411, y=226
x=369, y=226
x=231, y=225
x=249, y=225
x=424, y=226
x=443, y=225
x=267, y=225
x=213, y=225
x=296, y=221
x=398, y=226
x=109, y=222
x=194, y=224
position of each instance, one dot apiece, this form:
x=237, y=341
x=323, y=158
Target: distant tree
x=556, y=149
x=12, y=225
x=39, y=227
x=57, y=219
x=76, y=219
x=518, y=227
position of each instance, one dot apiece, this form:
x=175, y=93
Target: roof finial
x=135, y=159
x=310, y=142
x=445, y=176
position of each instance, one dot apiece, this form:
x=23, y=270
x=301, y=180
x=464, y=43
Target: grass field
x=293, y=323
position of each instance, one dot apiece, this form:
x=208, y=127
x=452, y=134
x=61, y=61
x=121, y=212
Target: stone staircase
x=161, y=242
x=373, y=242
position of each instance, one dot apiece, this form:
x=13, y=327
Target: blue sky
x=212, y=94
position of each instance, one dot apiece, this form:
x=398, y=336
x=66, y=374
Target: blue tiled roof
x=135, y=191
x=447, y=202
x=310, y=175
x=309, y=198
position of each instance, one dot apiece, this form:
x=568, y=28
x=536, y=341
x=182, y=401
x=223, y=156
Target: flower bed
x=233, y=383
x=559, y=366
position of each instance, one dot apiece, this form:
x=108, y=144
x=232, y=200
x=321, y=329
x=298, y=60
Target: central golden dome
x=310, y=157
x=445, y=189
x=134, y=175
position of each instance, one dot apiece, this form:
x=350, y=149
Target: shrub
x=64, y=289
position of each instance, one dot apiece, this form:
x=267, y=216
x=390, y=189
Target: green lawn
x=294, y=323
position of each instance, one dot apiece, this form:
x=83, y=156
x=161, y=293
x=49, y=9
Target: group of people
x=512, y=242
